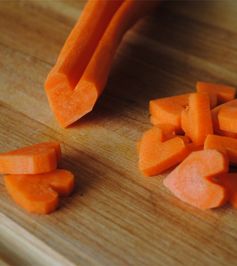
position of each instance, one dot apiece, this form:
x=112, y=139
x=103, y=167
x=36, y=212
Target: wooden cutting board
x=115, y=216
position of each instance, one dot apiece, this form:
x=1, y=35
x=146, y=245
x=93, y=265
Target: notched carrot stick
x=168, y=110
x=192, y=180
x=226, y=145
x=39, y=193
x=223, y=92
x=215, y=121
x=156, y=157
x=35, y=159
x=196, y=118
x=230, y=182
x=227, y=118
x=67, y=105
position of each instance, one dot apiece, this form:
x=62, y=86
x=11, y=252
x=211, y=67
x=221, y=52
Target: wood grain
x=116, y=216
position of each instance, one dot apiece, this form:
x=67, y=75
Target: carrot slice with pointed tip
x=223, y=144
x=39, y=193
x=191, y=181
x=168, y=110
x=223, y=92
x=156, y=157
x=35, y=159
x=215, y=121
x=196, y=118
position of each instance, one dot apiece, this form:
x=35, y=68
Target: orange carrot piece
x=156, y=157
x=230, y=182
x=196, y=118
x=224, y=93
x=39, y=193
x=168, y=110
x=192, y=180
x=71, y=103
x=35, y=159
x=223, y=144
x=215, y=121
x=193, y=147
x=227, y=118
x=82, y=42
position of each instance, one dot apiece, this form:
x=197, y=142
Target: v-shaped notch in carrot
x=35, y=159
x=81, y=71
x=156, y=156
x=39, y=193
x=192, y=180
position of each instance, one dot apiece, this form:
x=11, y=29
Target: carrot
x=82, y=42
x=196, y=118
x=230, y=182
x=156, y=157
x=168, y=110
x=69, y=105
x=224, y=93
x=226, y=145
x=39, y=193
x=193, y=147
x=35, y=159
x=215, y=121
x=227, y=118
x=192, y=181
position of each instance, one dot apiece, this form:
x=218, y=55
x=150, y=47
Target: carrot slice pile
x=33, y=180
x=196, y=118
x=39, y=193
x=192, y=181
x=35, y=159
x=168, y=110
x=223, y=92
x=79, y=76
x=201, y=176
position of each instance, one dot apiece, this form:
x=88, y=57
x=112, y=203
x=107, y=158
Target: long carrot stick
x=67, y=105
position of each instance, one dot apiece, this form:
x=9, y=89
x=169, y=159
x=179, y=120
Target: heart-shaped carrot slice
x=36, y=159
x=39, y=193
x=192, y=181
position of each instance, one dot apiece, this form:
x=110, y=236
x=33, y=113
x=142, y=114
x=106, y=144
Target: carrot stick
x=35, y=159
x=196, y=118
x=82, y=42
x=224, y=93
x=230, y=182
x=168, y=110
x=227, y=118
x=192, y=181
x=70, y=105
x=39, y=193
x=215, y=121
x=156, y=157
x=223, y=144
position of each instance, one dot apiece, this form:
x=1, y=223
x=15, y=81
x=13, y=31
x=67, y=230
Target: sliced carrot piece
x=82, y=42
x=196, y=118
x=156, y=157
x=35, y=159
x=191, y=181
x=39, y=193
x=227, y=118
x=215, y=121
x=230, y=182
x=69, y=103
x=223, y=144
x=224, y=93
x=168, y=110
